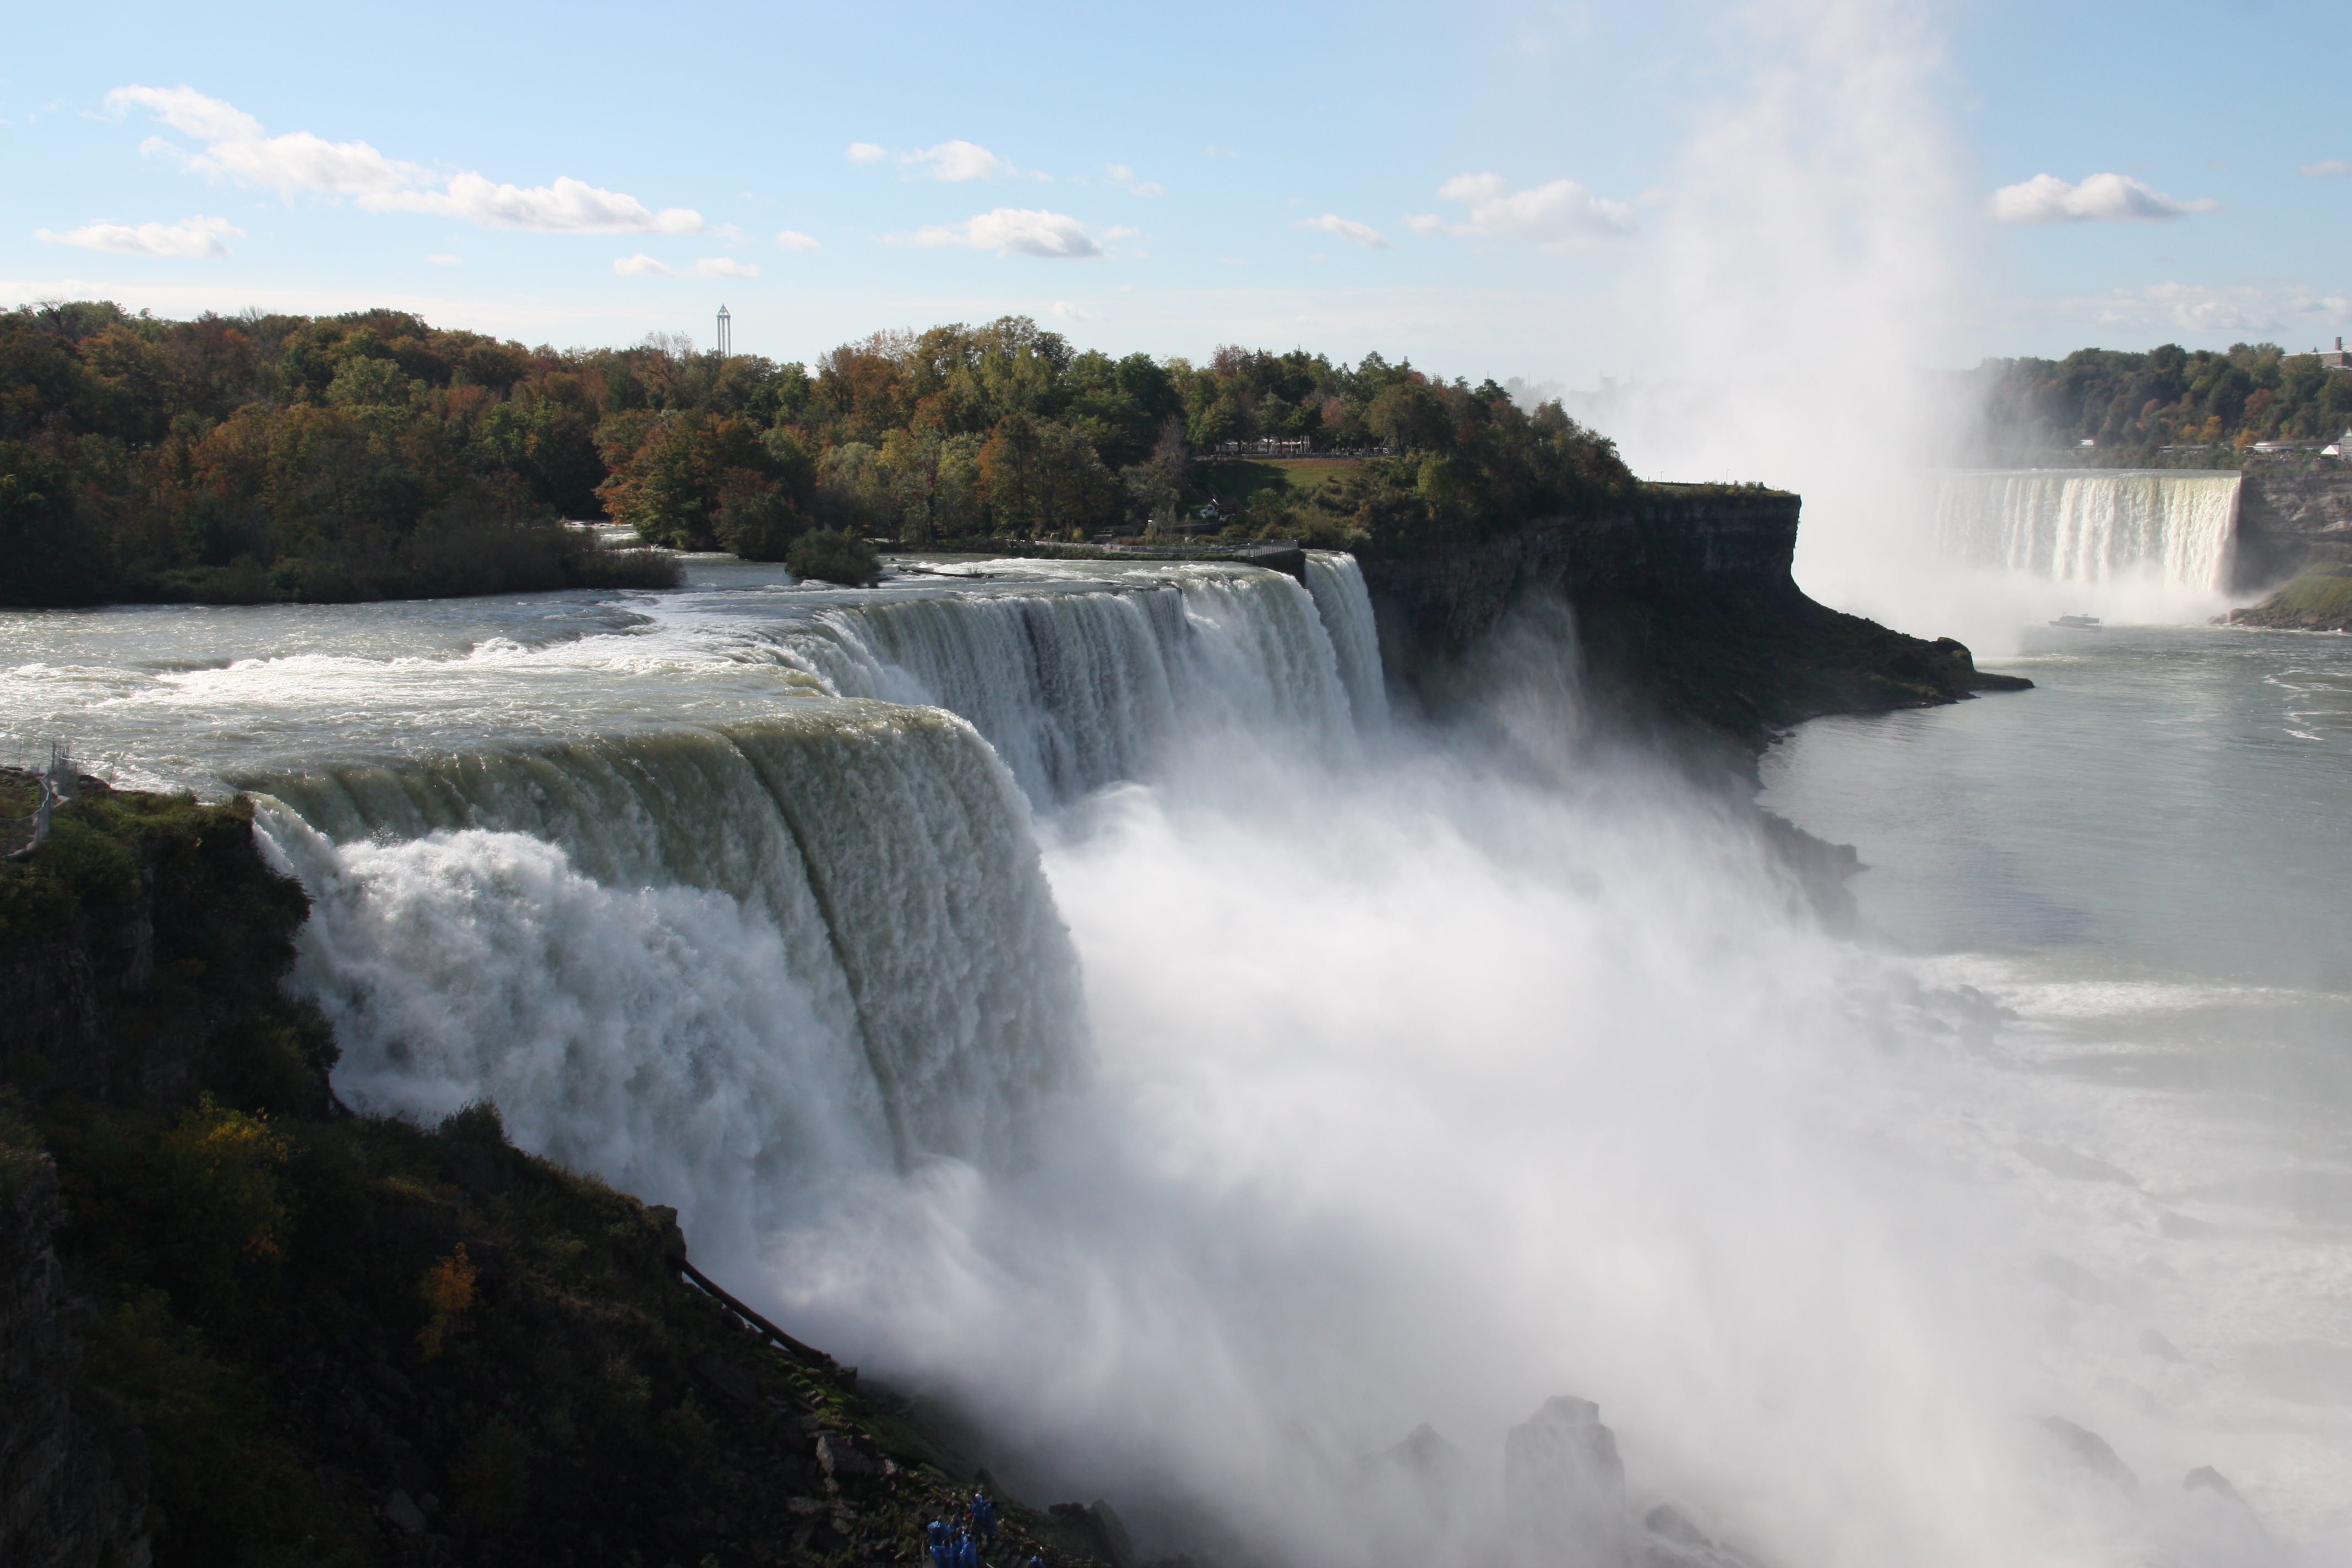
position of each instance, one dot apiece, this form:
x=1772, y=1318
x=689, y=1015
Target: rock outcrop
x=1564, y=1486
x=1681, y=604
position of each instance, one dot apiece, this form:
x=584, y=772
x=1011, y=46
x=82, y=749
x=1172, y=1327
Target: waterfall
x=700, y=961
x=2173, y=528
x=1079, y=685
x=1336, y=582
x=740, y=937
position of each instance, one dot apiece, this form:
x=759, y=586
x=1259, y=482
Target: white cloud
x=567, y=207
x=2205, y=308
x=444, y=258
x=960, y=161
x=794, y=240
x=1070, y=312
x=196, y=237
x=1560, y=218
x=236, y=149
x=2325, y=167
x=1123, y=176
x=1347, y=229
x=643, y=266
x=1017, y=231
x=2101, y=198
x=866, y=152
x=185, y=110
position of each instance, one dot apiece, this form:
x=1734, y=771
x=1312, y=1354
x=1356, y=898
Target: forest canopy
x=372, y=455
x=2134, y=406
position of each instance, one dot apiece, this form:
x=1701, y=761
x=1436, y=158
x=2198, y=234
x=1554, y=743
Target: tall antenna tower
x=725, y=322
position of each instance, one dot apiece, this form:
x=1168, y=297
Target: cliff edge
x=1683, y=606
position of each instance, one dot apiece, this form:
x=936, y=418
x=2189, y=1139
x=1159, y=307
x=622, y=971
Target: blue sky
x=1490, y=188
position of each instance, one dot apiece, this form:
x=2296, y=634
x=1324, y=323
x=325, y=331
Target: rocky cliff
x=1681, y=604
x=73, y=1467
x=2288, y=520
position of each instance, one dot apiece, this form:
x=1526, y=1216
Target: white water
x=2167, y=530
x=1080, y=688
x=1410, y=1080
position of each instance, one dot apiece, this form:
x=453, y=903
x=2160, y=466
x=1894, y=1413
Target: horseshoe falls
x=2160, y=534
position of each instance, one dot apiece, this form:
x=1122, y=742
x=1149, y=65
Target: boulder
x=1564, y=1486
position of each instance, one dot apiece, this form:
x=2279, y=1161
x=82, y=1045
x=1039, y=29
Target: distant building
x=2335, y=359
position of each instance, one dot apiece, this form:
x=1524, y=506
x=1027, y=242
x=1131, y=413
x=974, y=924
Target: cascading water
x=717, y=959
x=1081, y=687
x=2169, y=528
x=1337, y=581
x=699, y=958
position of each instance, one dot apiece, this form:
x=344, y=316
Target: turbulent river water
x=1069, y=992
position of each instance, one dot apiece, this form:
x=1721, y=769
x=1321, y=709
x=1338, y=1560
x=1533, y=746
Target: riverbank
x=2317, y=600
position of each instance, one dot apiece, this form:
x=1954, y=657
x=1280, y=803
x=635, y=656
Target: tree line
x=2134, y=406
x=372, y=455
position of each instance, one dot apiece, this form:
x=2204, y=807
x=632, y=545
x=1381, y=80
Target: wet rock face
x=2288, y=522
x=1564, y=1486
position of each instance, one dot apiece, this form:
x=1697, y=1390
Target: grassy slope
x=2318, y=600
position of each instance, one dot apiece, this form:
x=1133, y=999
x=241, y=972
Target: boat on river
x=2078, y=622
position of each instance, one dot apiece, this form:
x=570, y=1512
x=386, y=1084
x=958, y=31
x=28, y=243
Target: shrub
x=831, y=557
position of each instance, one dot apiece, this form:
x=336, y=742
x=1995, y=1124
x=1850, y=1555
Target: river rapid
x=1068, y=992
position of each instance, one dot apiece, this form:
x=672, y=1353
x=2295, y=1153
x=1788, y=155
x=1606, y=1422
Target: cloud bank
x=237, y=149
x=2101, y=198
x=196, y=237
x=1560, y=216
x=2324, y=168
x=1017, y=231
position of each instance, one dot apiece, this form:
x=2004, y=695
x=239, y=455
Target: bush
x=759, y=522
x=831, y=557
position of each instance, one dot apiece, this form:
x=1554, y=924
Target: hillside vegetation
x=2133, y=406
x=373, y=455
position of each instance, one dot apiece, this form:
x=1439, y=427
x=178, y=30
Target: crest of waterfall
x=703, y=961
x=2170, y=528
x=1336, y=582
x=1085, y=683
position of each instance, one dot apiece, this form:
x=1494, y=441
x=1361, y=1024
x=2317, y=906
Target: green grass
x=2321, y=596
x=1238, y=480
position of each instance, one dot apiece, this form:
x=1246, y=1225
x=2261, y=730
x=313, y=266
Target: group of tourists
x=958, y=1542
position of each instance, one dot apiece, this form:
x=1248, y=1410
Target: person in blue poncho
x=984, y=1516
x=938, y=1531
